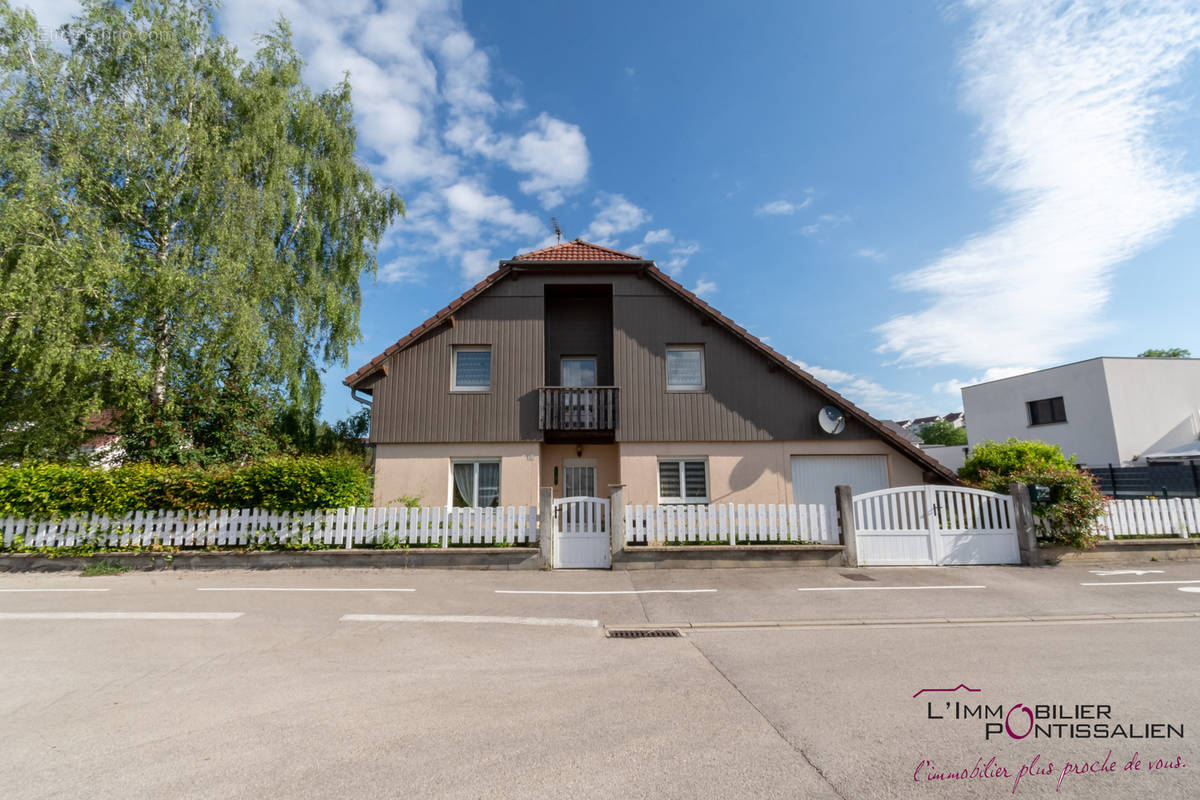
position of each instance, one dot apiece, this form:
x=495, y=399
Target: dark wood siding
x=744, y=399
x=414, y=402
x=579, y=323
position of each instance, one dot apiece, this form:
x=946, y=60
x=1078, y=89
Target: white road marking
x=53, y=590
x=579, y=623
x=878, y=588
x=1134, y=583
x=291, y=589
x=1106, y=572
x=176, y=615
x=1189, y=588
x=615, y=591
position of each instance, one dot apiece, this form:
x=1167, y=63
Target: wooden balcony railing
x=577, y=408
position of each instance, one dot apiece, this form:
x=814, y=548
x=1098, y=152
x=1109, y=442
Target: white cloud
x=871, y=254
x=704, y=288
x=477, y=264
x=616, y=216
x=681, y=254
x=555, y=155
x=660, y=236
x=954, y=385
x=777, y=208
x=874, y=398
x=1071, y=97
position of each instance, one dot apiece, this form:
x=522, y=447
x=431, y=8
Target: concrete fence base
x=505, y=558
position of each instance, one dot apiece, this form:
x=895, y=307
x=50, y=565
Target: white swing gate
x=935, y=525
x=581, y=533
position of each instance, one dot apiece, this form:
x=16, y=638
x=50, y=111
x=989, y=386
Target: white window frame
x=475, y=478
x=685, y=500
x=454, y=351
x=703, y=370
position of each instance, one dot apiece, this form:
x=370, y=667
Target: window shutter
x=668, y=479
x=693, y=473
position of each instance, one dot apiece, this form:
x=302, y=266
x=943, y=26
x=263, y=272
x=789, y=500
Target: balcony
x=577, y=408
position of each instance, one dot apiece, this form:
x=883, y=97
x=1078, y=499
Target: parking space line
x=614, y=591
x=879, y=588
x=53, y=590
x=292, y=589
x=102, y=615
x=1134, y=583
x=579, y=623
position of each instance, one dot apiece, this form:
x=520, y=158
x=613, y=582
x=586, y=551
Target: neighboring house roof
x=902, y=431
x=919, y=421
x=582, y=252
x=102, y=427
x=953, y=416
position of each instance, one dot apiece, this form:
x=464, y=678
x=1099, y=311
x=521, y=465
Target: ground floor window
x=476, y=483
x=682, y=480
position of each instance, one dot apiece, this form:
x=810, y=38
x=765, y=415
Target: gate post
x=616, y=518
x=546, y=527
x=845, y=508
x=1023, y=519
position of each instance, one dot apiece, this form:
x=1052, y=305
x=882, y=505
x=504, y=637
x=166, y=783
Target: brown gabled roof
x=557, y=253
x=578, y=250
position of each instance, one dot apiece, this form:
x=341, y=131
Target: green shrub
x=277, y=484
x=1076, y=501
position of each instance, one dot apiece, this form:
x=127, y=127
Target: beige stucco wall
x=423, y=470
x=748, y=472
x=608, y=466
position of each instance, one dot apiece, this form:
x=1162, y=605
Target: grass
x=104, y=567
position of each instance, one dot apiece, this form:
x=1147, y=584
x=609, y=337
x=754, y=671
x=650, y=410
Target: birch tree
x=171, y=217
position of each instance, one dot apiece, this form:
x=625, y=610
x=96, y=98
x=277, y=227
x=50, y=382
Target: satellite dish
x=832, y=420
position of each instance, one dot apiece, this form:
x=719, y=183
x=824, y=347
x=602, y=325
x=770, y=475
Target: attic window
x=471, y=369
x=685, y=367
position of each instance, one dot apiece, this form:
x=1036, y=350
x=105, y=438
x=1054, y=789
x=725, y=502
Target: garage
x=813, y=477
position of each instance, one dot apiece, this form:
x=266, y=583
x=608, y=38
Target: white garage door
x=813, y=477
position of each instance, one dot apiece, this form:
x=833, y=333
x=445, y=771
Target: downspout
x=371, y=405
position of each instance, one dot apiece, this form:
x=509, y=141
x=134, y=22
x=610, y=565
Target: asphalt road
x=477, y=684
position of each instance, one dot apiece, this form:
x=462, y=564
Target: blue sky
x=902, y=197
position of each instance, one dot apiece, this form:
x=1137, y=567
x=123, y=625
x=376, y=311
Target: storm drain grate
x=655, y=633
x=855, y=577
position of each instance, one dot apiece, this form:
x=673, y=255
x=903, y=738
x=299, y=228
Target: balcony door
x=577, y=371
x=579, y=407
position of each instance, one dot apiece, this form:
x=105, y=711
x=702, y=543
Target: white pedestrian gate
x=581, y=533
x=915, y=525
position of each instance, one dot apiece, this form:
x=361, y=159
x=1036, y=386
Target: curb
x=506, y=558
x=796, y=624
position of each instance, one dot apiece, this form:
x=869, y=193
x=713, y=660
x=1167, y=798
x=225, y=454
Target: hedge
x=278, y=484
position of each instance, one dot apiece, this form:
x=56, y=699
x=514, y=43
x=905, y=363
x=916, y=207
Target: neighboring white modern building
x=1119, y=411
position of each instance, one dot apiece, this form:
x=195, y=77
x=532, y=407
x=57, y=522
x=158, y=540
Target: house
x=579, y=367
x=1106, y=411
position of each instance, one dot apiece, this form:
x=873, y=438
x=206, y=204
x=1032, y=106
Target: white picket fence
x=344, y=527
x=1151, y=516
x=730, y=523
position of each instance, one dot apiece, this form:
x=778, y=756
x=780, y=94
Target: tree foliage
x=1166, y=352
x=173, y=221
x=942, y=432
x=1076, y=501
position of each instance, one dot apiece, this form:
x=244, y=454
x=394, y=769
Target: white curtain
x=464, y=485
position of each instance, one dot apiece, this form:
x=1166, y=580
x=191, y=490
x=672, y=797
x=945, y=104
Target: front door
x=579, y=477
